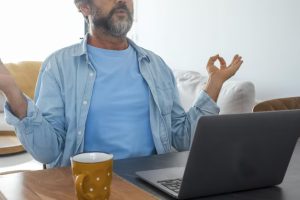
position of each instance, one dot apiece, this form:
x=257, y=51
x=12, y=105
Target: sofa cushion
x=234, y=97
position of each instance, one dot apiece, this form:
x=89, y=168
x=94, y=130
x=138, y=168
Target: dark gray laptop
x=232, y=153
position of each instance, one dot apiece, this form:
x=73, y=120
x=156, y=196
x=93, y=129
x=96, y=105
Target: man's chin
x=121, y=28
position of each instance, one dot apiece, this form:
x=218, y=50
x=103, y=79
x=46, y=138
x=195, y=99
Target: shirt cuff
x=205, y=102
x=15, y=121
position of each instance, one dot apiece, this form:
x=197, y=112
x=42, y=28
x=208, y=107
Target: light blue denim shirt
x=53, y=130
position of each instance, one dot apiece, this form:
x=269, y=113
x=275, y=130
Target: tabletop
x=58, y=184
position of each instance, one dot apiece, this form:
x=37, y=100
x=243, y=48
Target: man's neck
x=100, y=39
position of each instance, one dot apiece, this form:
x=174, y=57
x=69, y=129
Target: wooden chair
x=278, y=104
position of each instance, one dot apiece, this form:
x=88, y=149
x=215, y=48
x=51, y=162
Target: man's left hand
x=224, y=72
x=218, y=75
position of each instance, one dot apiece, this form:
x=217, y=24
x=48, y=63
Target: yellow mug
x=92, y=174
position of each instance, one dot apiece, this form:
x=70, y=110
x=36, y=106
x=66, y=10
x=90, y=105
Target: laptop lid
x=240, y=152
x=233, y=153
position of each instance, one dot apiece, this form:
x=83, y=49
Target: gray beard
x=118, y=28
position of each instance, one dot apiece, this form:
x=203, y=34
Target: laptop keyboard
x=172, y=184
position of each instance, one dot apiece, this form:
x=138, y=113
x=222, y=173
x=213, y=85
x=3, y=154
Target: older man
x=107, y=94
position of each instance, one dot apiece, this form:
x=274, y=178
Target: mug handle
x=79, y=187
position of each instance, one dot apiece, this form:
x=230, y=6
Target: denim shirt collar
x=82, y=50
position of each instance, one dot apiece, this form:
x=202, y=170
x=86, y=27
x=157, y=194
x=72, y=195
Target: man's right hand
x=15, y=98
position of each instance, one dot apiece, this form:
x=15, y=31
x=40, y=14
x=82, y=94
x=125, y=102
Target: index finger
x=213, y=59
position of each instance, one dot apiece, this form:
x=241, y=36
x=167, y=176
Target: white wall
x=31, y=29
x=265, y=32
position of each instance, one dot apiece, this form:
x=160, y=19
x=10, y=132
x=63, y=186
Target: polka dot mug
x=92, y=174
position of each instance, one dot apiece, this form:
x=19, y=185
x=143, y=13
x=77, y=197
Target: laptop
x=232, y=153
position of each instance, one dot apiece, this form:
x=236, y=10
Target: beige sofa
x=235, y=96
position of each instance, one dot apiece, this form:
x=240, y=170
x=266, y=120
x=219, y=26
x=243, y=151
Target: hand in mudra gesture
x=223, y=72
x=218, y=75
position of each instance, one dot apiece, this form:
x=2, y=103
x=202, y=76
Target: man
x=107, y=94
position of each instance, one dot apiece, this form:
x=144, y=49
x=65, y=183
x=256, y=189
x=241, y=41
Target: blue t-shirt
x=118, y=120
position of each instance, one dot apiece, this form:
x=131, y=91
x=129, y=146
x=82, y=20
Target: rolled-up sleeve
x=39, y=131
x=206, y=104
x=31, y=116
